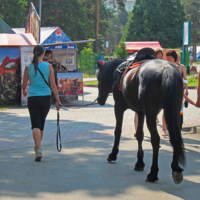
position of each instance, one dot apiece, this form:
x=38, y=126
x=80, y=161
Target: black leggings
x=38, y=107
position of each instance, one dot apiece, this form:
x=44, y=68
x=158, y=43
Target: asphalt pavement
x=81, y=171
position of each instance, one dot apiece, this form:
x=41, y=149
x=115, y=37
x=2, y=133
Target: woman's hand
x=58, y=105
x=198, y=103
x=25, y=92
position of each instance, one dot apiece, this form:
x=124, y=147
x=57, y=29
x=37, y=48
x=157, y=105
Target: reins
x=80, y=106
x=58, y=135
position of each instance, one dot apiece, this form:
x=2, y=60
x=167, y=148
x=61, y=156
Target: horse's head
x=102, y=86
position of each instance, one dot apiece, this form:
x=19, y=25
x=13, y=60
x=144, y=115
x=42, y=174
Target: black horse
x=156, y=84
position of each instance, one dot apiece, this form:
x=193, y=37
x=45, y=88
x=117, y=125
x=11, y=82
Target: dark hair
x=48, y=52
x=37, y=51
x=158, y=51
x=173, y=54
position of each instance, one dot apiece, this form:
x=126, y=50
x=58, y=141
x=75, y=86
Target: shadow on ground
x=81, y=171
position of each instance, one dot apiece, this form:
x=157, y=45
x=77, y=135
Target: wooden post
x=96, y=26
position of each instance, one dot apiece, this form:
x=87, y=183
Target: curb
x=196, y=130
x=189, y=87
x=192, y=87
x=84, y=85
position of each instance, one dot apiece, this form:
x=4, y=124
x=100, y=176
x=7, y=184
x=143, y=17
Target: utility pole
x=40, y=15
x=40, y=10
x=96, y=26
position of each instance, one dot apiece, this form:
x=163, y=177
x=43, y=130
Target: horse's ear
x=100, y=63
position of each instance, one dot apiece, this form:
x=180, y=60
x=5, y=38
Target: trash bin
x=188, y=70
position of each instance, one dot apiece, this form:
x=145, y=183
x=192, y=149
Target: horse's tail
x=172, y=85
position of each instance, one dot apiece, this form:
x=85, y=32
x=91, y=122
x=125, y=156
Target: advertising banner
x=9, y=73
x=58, y=36
x=70, y=83
x=26, y=59
x=33, y=23
x=66, y=57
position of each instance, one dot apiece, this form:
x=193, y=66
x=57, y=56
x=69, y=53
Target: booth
x=133, y=47
x=64, y=51
x=10, y=70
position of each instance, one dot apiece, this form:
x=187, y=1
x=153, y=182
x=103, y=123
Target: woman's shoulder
x=30, y=65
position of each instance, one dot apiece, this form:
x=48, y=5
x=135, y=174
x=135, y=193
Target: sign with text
x=26, y=59
x=67, y=58
x=33, y=23
x=187, y=33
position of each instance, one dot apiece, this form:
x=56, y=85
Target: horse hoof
x=138, y=168
x=178, y=177
x=152, y=178
x=109, y=159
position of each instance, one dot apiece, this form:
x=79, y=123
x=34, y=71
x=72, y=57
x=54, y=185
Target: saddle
x=134, y=61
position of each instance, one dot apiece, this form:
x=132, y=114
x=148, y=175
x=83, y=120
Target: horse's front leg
x=139, y=166
x=176, y=169
x=155, y=141
x=119, y=113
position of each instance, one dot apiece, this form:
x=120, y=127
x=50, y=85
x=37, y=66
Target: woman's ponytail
x=37, y=51
x=35, y=62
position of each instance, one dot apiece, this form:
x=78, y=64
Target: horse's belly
x=130, y=91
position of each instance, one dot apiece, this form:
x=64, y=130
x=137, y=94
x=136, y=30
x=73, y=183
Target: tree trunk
x=96, y=26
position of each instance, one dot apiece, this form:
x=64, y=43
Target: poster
x=33, y=23
x=67, y=58
x=58, y=36
x=9, y=73
x=70, y=83
x=26, y=59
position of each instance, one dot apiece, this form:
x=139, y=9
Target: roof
x=17, y=39
x=4, y=28
x=67, y=43
x=45, y=32
x=132, y=47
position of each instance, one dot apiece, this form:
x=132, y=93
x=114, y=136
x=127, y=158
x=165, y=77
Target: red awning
x=133, y=47
x=26, y=39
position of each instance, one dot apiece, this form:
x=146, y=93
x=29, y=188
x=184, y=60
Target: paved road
x=80, y=171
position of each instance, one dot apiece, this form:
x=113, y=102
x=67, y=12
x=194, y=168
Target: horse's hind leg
x=176, y=169
x=139, y=166
x=119, y=113
x=155, y=141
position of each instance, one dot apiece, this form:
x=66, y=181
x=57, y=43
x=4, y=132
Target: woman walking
x=39, y=97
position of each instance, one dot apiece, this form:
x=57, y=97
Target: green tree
x=13, y=12
x=121, y=51
x=123, y=16
x=157, y=21
x=76, y=18
x=192, y=9
x=86, y=60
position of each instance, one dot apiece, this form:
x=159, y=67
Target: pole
x=96, y=26
x=40, y=10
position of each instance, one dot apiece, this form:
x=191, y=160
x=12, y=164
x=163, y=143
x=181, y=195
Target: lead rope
x=58, y=136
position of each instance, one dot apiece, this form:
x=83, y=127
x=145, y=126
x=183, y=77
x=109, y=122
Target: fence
x=87, y=64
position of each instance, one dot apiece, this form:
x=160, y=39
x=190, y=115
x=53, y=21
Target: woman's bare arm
x=53, y=87
x=188, y=99
x=25, y=81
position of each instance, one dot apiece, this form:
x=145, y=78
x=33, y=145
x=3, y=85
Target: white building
x=129, y=4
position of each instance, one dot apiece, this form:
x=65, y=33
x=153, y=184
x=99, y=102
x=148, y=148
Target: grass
x=193, y=81
x=91, y=83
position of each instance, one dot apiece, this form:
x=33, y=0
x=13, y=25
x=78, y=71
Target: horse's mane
x=109, y=68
